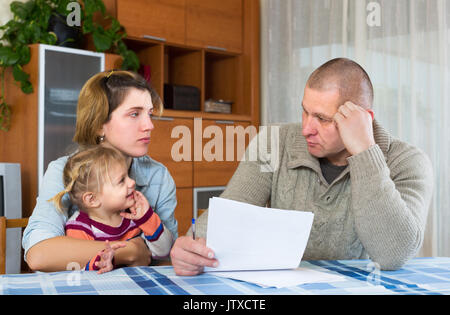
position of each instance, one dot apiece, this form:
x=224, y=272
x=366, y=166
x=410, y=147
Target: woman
x=114, y=109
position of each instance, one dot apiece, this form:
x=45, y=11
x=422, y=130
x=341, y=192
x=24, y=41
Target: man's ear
x=90, y=200
x=371, y=113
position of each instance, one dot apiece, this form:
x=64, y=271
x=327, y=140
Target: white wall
x=5, y=12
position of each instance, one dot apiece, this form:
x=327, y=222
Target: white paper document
x=248, y=237
x=282, y=278
x=261, y=245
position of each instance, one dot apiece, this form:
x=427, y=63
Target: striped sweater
x=158, y=238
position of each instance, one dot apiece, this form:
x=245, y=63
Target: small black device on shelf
x=181, y=97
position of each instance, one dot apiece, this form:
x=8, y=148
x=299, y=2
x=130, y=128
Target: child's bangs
x=101, y=172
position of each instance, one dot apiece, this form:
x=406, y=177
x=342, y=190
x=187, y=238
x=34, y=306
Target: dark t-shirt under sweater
x=330, y=171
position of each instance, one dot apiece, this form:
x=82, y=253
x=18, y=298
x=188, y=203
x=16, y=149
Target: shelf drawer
x=154, y=19
x=214, y=24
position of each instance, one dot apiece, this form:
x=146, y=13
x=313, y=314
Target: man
x=369, y=192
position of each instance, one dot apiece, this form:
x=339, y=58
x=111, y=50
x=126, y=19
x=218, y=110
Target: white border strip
x=41, y=96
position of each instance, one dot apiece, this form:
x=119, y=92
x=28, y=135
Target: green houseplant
x=30, y=24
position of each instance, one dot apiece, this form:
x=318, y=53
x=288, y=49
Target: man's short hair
x=348, y=77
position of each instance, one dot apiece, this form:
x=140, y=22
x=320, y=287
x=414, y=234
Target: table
x=418, y=276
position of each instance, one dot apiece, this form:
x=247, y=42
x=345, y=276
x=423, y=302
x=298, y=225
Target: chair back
x=7, y=224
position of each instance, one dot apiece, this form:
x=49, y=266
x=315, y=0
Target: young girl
x=110, y=209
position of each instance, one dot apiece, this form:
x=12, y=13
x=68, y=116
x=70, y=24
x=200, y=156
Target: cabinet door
x=223, y=145
x=162, y=145
x=214, y=23
x=183, y=211
x=162, y=19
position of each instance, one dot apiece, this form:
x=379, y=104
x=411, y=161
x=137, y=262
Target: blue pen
x=193, y=228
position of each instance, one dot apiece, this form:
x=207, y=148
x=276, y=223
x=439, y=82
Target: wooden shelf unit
x=218, y=75
x=212, y=45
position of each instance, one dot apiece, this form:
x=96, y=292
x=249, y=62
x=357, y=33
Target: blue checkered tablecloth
x=419, y=276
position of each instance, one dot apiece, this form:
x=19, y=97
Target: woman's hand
x=190, y=256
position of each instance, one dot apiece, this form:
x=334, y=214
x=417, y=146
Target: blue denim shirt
x=152, y=179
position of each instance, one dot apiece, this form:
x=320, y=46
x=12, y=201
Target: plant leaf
x=24, y=53
x=101, y=41
x=5, y=116
x=19, y=74
x=22, y=77
x=8, y=56
x=49, y=38
x=92, y=6
x=130, y=60
x=115, y=26
x=20, y=9
x=26, y=87
x=88, y=26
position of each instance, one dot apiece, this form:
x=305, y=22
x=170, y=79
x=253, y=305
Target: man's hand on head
x=355, y=127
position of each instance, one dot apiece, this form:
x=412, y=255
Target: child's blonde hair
x=86, y=171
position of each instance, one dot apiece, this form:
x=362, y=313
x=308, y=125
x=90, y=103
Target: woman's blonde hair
x=100, y=96
x=86, y=171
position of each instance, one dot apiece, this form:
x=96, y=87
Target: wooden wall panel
x=20, y=143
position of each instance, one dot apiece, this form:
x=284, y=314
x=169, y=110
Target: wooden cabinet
x=198, y=153
x=183, y=211
x=162, y=149
x=183, y=66
x=224, y=80
x=214, y=24
x=157, y=19
x=223, y=145
x=214, y=47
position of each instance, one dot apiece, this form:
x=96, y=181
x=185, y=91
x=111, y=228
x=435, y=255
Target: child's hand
x=106, y=257
x=140, y=207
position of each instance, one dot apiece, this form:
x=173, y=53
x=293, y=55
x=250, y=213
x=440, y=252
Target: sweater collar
x=298, y=154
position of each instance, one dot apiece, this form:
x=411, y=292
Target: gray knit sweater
x=375, y=209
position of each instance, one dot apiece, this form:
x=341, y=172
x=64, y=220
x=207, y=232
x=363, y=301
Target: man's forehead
x=321, y=101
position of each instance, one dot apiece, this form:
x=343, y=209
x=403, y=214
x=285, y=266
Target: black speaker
x=181, y=97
